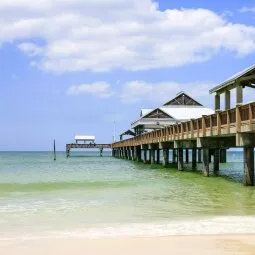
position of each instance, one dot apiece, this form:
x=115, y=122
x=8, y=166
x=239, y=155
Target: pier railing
x=223, y=123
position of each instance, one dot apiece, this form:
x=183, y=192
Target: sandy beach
x=178, y=245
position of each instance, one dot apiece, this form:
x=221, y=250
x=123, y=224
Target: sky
x=74, y=67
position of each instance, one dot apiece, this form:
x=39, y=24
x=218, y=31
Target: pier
x=101, y=147
x=207, y=136
x=88, y=143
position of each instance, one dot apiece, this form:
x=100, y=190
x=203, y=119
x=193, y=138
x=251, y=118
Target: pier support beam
x=67, y=152
x=248, y=166
x=129, y=153
x=144, y=156
x=187, y=155
x=152, y=156
x=199, y=156
x=180, y=159
x=216, y=161
x=174, y=156
x=194, y=159
x=206, y=161
x=138, y=153
x=165, y=157
x=158, y=156
x=223, y=156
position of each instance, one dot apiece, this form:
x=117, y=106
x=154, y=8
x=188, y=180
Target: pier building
x=210, y=133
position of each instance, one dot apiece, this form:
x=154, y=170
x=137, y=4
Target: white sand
x=179, y=245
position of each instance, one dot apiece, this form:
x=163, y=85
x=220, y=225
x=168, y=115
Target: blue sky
x=73, y=67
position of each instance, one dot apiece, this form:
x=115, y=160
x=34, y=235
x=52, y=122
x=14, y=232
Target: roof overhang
x=244, y=78
x=128, y=132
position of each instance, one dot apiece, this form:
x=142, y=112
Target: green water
x=91, y=196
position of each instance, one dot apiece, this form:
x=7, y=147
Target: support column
x=126, y=153
x=199, y=157
x=239, y=95
x=145, y=156
x=227, y=100
x=129, y=154
x=249, y=166
x=68, y=153
x=158, y=156
x=194, y=158
x=217, y=102
x=152, y=156
x=174, y=156
x=180, y=159
x=187, y=155
x=206, y=161
x=216, y=161
x=165, y=157
x=223, y=156
x=138, y=154
x=132, y=153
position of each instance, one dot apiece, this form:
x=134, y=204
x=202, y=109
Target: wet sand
x=174, y=245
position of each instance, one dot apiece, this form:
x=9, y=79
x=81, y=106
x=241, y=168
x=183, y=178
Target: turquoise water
x=89, y=196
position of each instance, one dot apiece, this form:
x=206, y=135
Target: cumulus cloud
x=138, y=91
x=30, y=49
x=247, y=9
x=98, y=89
x=103, y=35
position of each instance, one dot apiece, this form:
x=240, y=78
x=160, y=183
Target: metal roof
x=177, y=113
x=233, y=78
x=85, y=137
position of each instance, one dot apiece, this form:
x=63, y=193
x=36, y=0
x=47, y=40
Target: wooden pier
x=101, y=147
x=211, y=135
x=207, y=136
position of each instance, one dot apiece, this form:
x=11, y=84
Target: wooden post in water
x=206, y=161
x=216, y=161
x=180, y=159
x=249, y=166
x=55, y=156
x=194, y=158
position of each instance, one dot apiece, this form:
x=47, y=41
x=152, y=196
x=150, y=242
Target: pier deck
x=210, y=134
x=86, y=146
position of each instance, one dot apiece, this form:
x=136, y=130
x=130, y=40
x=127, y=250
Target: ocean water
x=86, y=196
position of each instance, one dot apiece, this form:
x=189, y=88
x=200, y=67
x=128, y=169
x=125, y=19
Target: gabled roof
x=245, y=76
x=183, y=99
x=186, y=113
x=158, y=113
x=128, y=132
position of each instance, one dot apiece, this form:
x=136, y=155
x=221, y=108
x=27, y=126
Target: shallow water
x=91, y=196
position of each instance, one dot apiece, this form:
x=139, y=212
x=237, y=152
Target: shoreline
x=181, y=245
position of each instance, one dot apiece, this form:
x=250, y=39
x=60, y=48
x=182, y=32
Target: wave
x=49, y=186
x=211, y=226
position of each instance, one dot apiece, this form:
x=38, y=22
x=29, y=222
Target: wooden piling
x=145, y=156
x=152, y=156
x=194, y=158
x=216, y=161
x=55, y=155
x=180, y=159
x=206, y=161
x=165, y=157
x=248, y=166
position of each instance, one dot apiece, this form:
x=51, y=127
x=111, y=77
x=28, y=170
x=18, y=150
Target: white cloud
x=144, y=92
x=30, y=49
x=102, y=35
x=247, y=9
x=98, y=89
x=138, y=91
